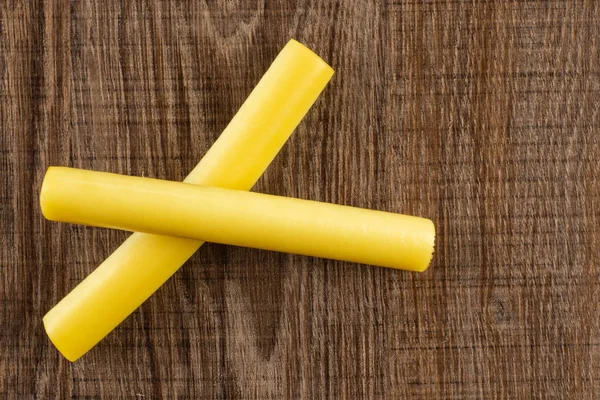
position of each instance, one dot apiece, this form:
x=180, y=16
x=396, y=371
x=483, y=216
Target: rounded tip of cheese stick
x=429, y=245
x=45, y=204
x=299, y=47
x=60, y=345
x=137, y=268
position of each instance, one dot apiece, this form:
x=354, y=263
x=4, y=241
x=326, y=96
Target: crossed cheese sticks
x=218, y=210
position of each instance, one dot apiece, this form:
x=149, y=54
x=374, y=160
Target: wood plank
x=480, y=115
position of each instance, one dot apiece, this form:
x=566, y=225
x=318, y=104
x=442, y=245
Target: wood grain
x=481, y=115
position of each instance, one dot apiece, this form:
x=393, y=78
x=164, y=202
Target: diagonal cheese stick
x=236, y=160
x=237, y=217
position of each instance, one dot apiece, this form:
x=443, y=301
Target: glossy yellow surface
x=237, y=217
x=236, y=160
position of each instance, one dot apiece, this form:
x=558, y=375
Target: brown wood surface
x=483, y=116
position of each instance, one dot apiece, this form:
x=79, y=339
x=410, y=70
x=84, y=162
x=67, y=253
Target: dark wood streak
x=483, y=116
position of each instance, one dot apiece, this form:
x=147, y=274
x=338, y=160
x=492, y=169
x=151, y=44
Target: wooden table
x=483, y=116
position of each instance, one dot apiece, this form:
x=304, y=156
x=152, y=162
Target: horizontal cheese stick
x=236, y=160
x=237, y=218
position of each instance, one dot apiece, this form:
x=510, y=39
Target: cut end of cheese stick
x=236, y=160
x=237, y=218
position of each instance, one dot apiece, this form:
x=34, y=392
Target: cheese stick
x=238, y=218
x=236, y=160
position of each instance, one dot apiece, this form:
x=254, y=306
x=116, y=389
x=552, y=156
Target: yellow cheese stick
x=237, y=217
x=236, y=160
